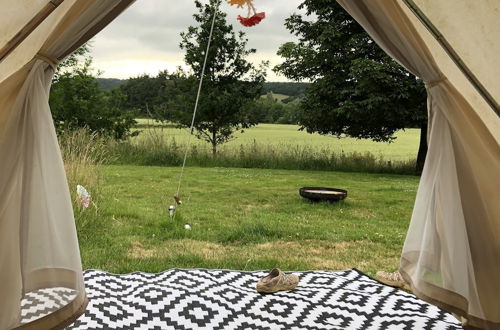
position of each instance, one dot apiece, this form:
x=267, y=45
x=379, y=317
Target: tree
x=357, y=89
x=77, y=101
x=230, y=84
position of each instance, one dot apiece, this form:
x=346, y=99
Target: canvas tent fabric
x=452, y=249
x=38, y=242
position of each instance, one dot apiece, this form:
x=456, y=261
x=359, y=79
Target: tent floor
x=223, y=299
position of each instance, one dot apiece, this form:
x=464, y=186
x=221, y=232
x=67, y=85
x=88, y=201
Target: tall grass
x=83, y=154
x=156, y=150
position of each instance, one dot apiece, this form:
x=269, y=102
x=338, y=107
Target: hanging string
x=176, y=196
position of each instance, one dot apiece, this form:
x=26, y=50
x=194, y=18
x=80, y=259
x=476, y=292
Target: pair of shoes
x=277, y=281
x=392, y=279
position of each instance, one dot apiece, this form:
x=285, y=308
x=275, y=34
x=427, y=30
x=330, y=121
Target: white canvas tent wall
x=452, y=249
x=38, y=243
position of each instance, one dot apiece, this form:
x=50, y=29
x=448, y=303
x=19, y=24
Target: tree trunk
x=422, y=149
x=214, y=143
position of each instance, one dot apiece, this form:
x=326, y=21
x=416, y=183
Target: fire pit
x=321, y=194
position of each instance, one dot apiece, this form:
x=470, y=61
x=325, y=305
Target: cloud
x=146, y=38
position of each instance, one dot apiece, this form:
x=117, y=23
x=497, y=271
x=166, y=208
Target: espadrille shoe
x=393, y=279
x=277, y=281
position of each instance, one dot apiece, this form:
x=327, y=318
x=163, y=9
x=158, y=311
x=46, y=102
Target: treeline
x=286, y=88
x=148, y=95
x=107, y=84
x=290, y=89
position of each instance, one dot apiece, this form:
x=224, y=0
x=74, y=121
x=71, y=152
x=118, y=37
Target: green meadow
x=242, y=207
x=404, y=147
x=243, y=219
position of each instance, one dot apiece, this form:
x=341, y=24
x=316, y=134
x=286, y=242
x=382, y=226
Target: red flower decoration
x=252, y=20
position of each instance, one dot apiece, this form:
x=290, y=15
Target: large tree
x=230, y=84
x=357, y=89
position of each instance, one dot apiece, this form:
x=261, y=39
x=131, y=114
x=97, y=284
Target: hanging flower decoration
x=250, y=20
x=239, y=3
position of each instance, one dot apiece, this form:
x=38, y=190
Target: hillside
x=107, y=84
x=285, y=88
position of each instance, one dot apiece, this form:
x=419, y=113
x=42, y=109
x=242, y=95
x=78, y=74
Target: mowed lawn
x=404, y=148
x=245, y=219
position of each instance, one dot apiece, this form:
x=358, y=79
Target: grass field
x=277, y=97
x=244, y=219
x=404, y=148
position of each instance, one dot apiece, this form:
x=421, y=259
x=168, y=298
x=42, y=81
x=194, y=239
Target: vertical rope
x=216, y=9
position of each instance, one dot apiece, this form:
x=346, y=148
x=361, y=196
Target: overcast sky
x=145, y=38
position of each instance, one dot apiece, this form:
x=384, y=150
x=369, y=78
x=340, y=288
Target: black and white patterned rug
x=221, y=299
x=42, y=302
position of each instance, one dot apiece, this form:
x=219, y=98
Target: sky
x=145, y=38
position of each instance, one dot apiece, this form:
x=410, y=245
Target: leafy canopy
x=357, y=89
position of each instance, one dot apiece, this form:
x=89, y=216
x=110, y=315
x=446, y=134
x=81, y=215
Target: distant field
x=404, y=148
x=279, y=97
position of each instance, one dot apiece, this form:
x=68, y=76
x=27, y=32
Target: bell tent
x=452, y=248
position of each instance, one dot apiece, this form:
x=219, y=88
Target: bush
x=76, y=100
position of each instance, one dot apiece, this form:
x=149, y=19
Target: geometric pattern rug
x=39, y=303
x=225, y=299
